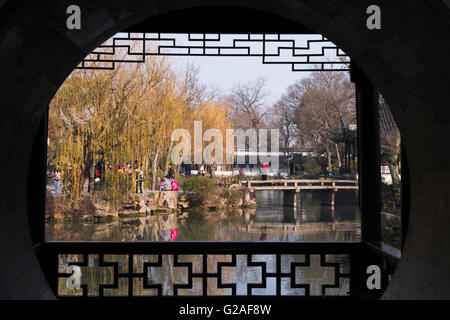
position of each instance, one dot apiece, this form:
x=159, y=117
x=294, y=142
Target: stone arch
x=408, y=60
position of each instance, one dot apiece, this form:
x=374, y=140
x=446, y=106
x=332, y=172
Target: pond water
x=311, y=220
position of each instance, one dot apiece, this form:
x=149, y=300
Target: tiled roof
x=387, y=123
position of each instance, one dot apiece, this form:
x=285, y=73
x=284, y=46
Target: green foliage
x=313, y=165
x=390, y=197
x=232, y=197
x=334, y=160
x=114, y=189
x=198, y=189
x=241, y=177
x=180, y=179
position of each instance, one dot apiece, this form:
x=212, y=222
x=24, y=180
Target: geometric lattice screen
x=206, y=275
x=305, y=52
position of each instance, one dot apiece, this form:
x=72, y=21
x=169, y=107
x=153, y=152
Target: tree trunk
x=213, y=171
x=329, y=158
x=289, y=166
x=393, y=168
x=155, y=168
x=166, y=168
x=338, y=155
x=154, y=171
x=145, y=166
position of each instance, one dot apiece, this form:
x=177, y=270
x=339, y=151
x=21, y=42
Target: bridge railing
x=302, y=184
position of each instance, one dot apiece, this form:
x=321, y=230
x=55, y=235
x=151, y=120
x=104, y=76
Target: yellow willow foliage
x=120, y=116
x=213, y=115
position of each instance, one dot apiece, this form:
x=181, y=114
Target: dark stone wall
x=408, y=60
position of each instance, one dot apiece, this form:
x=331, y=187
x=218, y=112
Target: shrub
x=159, y=173
x=180, y=179
x=313, y=165
x=198, y=189
x=114, y=189
x=242, y=177
x=391, y=197
x=232, y=197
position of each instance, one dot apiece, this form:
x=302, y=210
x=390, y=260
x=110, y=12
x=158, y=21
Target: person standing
x=325, y=170
x=170, y=173
x=129, y=171
x=139, y=173
x=56, y=174
x=188, y=169
x=264, y=168
x=101, y=168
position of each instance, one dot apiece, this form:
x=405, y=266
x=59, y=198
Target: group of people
x=137, y=170
x=169, y=183
x=96, y=173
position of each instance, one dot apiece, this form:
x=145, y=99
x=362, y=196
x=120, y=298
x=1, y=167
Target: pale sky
x=225, y=72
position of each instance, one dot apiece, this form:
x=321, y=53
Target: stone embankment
x=246, y=198
x=60, y=208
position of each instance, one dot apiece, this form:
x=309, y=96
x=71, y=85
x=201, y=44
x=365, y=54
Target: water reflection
x=309, y=220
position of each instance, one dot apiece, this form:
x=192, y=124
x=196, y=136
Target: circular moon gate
x=409, y=62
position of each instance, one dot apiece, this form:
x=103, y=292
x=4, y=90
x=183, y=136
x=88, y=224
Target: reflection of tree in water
x=310, y=207
x=236, y=219
x=310, y=221
x=204, y=227
x=126, y=229
x=163, y=225
x=232, y=218
x=197, y=228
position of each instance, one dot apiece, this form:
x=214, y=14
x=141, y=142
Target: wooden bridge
x=301, y=184
x=293, y=186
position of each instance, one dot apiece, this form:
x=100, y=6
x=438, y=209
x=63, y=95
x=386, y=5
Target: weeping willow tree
x=213, y=115
x=116, y=118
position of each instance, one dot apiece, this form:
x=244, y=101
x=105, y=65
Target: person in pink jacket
x=56, y=174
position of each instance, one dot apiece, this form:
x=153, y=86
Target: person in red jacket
x=264, y=169
x=174, y=185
